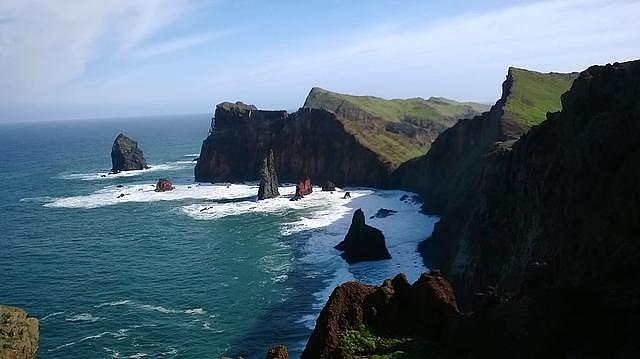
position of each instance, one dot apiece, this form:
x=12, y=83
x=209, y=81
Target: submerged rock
x=383, y=212
x=268, y=178
x=303, y=188
x=328, y=187
x=126, y=156
x=278, y=352
x=164, y=185
x=363, y=242
x=347, y=195
x=19, y=333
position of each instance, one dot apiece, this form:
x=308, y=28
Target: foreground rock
x=126, y=156
x=268, y=178
x=278, y=352
x=164, y=185
x=426, y=309
x=19, y=334
x=303, y=188
x=363, y=242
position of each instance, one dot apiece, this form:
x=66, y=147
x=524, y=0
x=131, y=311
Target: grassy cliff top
x=397, y=130
x=532, y=94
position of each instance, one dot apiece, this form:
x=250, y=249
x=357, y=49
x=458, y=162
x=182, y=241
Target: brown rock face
x=278, y=352
x=163, y=185
x=303, y=188
x=311, y=142
x=555, y=220
x=19, y=334
x=426, y=308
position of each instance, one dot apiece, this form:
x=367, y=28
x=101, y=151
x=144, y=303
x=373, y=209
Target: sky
x=74, y=59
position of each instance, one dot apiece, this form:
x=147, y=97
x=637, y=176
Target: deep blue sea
x=198, y=272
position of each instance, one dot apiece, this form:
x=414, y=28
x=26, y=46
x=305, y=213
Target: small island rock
x=126, y=156
x=328, y=187
x=303, y=188
x=363, y=242
x=164, y=185
x=268, y=178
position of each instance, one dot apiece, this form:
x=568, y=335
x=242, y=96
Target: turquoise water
x=195, y=273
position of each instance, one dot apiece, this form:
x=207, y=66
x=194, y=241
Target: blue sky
x=86, y=59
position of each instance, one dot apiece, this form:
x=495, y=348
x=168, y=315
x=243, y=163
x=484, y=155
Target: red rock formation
x=303, y=188
x=163, y=185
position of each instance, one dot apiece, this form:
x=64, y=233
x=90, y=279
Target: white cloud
x=464, y=56
x=177, y=44
x=46, y=43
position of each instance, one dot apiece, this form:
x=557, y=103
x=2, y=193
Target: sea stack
x=164, y=185
x=303, y=188
x=19, y=333
x=126, y=156
x=363, y=242
x=268, y=178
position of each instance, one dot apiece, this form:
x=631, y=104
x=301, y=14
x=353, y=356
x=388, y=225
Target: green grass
x=366, y=117
x=362, y=342
x=534, y=93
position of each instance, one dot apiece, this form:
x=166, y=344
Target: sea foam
x=105, y=175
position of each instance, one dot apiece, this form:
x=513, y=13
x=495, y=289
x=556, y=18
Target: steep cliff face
x=309, y=143
x=450, y=172
x=562, y=205
x=19, y=334
x=396, y=130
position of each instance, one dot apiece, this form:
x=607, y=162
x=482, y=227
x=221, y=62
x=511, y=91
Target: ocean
x=198, y=272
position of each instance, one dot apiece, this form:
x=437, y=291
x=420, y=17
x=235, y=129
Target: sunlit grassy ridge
x=533, y=94
x=397, y=130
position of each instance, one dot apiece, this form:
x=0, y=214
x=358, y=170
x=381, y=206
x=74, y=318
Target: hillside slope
x=397, y=130
x=450, y=171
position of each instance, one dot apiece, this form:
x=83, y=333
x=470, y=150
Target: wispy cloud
x=46, y=43
x=462, y=56
x=177, y=44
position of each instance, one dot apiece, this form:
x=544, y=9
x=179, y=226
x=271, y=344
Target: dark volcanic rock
x=383, y=213
x=311, y=142
x=346, y=195
x=163, y=185
x=363, y=242
x=556, y=219
x=303, y=188
x=268, y=178
x=19, y=334
x=126, y=156
x=278, y=352
x=328, y=186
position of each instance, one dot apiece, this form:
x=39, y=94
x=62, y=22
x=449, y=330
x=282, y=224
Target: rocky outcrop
x=164, y=185
x=451, y=171
x=363, y=242
x=328, y=186
x=554, y=220
x=311, y=143
x=278, y=352
x=19, y=334
x=425, y=309
x=268, y=178
x=126, y=156
x=303, y=188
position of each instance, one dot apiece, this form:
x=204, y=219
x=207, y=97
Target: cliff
x=396, y=130
x=559, y=211
x=308, y=143
x=19, y=334
x=450, y=171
